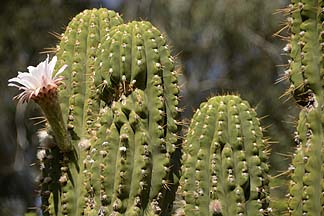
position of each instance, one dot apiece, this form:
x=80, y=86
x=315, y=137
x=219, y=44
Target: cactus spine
x=306, y=75
x=224, y=169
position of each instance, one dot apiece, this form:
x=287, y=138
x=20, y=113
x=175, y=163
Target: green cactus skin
x=78, y=49
x=64, y=185
x=224, y=169
x=306, y=75
x=306, y=185
x=124, y=142
x=306, y=49
x=136, y=78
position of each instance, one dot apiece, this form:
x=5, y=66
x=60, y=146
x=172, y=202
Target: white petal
x=47, y=72
x=34, y=71
x=60, y=70
x=26, y=83
x=51, y=66
x=41, y=67
x=15, y=85
x=26, y=80
x=35, y=80
x=30, y=68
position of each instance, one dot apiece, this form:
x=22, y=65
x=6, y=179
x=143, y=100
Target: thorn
x=49, y=50
x=56, y=35
x=263, y=117
x=283, y=173
x=286, y=26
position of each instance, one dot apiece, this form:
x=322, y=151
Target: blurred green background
x=220, y=46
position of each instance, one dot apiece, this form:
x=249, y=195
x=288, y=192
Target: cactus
x=225, y=170
x=122, y=123
x=306, y=185
x=136, y=78
x=120, y=103
x=306, y=76
x=78, y=49
x=305, y=70
x=62, y=182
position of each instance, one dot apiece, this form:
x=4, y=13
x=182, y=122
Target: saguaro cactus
x=225, y=170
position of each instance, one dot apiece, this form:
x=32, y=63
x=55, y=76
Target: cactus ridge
x=306, y=46
x=117, y=137
x=125, y=124
x=224, y=161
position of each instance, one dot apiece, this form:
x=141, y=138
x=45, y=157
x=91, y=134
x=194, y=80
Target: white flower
x=38, y=81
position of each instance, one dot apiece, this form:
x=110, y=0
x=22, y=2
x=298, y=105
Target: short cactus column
x=225, y=170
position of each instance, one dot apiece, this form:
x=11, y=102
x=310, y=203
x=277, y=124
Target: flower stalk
x=52, y=111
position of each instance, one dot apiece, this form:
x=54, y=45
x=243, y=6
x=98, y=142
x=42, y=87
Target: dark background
x=221, y=47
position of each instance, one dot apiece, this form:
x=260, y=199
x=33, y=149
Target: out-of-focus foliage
x=228, y=46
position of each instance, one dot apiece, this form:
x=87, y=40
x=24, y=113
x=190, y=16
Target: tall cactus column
x=224, y=168
x=305, y=73
x=63, y=182
x=134, y=149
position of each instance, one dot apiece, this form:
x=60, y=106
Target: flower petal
x=60, y=70
x=21, y=82
x=37, y=79
x=33, y=79
x=51, y=66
